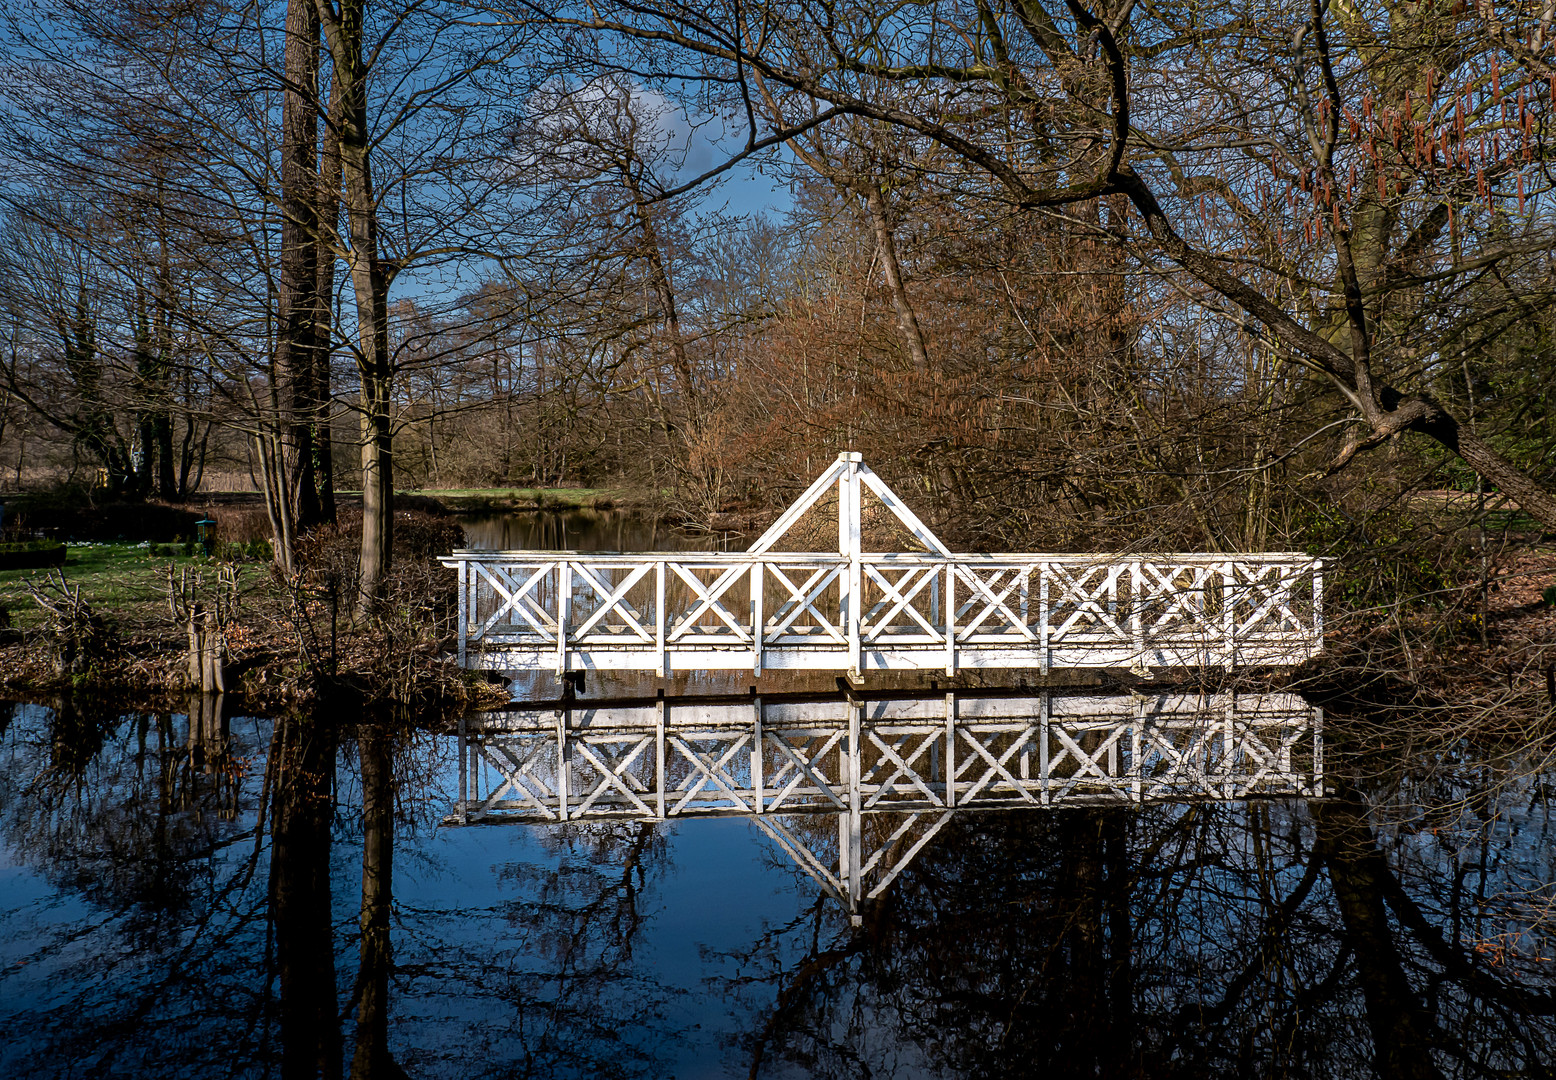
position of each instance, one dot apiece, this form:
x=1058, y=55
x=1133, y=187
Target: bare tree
x=1050, y=109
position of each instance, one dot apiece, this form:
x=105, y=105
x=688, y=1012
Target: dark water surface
x=587, y=530
x=234, y=896
x=215, y=895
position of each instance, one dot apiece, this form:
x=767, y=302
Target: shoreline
x=289, y=646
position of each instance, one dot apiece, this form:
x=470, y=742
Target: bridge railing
x=667, y=612
x=581, y=760
x=853, y=788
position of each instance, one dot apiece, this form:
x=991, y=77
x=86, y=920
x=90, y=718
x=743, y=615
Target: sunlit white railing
x=667, y=613
x=860, y=611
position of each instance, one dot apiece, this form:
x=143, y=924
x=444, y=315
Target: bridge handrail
x=732, y=558
x=1106, y=609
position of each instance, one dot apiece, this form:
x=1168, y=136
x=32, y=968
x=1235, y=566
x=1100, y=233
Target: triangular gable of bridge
x=852, y=477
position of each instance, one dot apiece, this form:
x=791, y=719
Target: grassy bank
x=127, y=581
x=288, y=643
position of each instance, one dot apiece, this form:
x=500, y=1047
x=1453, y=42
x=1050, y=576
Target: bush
x=75, y=637
x=256, y=550
x=31, y=555
x=329, y=553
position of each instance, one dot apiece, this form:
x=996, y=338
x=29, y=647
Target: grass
x=118, y=580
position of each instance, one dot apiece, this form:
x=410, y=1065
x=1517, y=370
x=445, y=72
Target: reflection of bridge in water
x=858, y=611
x=892, y=771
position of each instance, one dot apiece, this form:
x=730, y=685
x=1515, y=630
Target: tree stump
x=206, y=628
x=207, y=653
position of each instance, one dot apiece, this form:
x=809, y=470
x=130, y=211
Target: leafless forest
x=1072, y=276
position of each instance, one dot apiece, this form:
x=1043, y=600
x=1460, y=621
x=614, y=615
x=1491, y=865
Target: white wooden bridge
x=856, y=611
x=890, y=770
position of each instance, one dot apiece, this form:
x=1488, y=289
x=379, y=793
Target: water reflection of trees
x=193, y=924
x=124, y=811
x=1259, y=940
x=1403, y=922
x=224, y=900
x=549, y=982
x=136, y=822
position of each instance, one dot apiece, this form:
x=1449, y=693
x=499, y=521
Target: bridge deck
x=859, y=611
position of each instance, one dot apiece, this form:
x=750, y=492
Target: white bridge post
x=853, y=878
x=661, y=620
x=849, y=542
x=758, y=615
x=466, y=610
x=564, y=605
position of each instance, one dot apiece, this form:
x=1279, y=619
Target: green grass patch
x=116, y=579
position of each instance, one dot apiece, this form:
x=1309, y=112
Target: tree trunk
x=908, y=325
x=370, y=284
x=324, y=296
x=1535, y=500
x=664, y=289
x=167, y=475
x=274, y=486
x=886, y=248
x=296, y=300
x=377, y=491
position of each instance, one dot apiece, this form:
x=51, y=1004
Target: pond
x=697, y=878
x=1173, y=885
x=582, y=529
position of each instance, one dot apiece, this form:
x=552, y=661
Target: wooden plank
x=564, y=603
x=950, y=751
x=464, y=609
x=758, y=754
x=660, y=719
x=849, y=540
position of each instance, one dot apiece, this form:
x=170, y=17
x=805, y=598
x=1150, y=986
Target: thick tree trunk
x=324, y=294
x=1535, y=500
x=370, y=283
x=167, y=476
x=296, y=299
x=377, y=490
